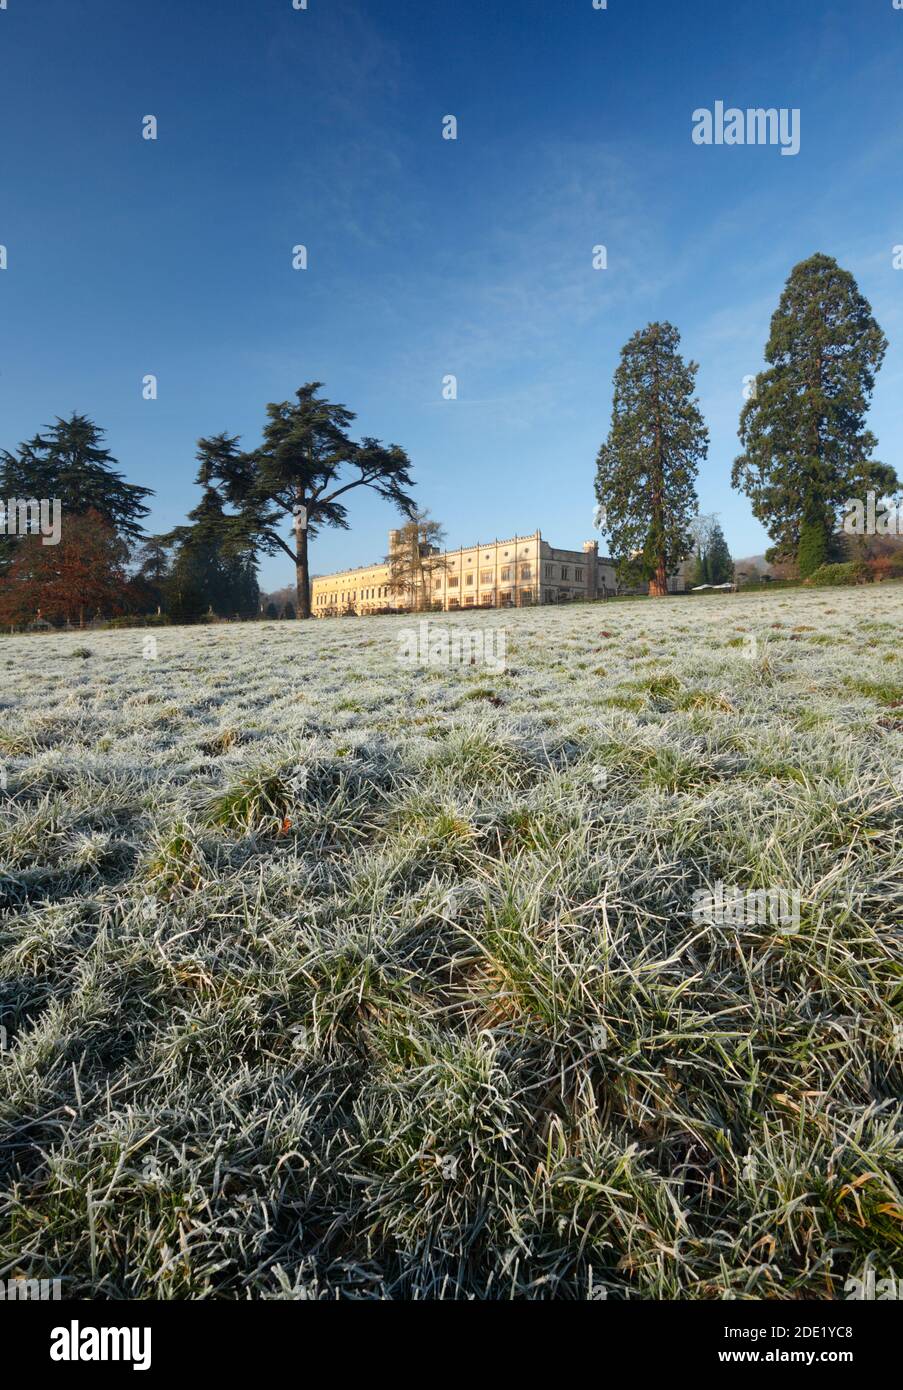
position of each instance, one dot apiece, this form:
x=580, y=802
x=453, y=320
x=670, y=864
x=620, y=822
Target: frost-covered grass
x=325, y=975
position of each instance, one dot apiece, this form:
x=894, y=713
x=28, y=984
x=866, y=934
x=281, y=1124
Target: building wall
x=365, y=590
x=513, y=573
x=498, y=574
x=566, y=575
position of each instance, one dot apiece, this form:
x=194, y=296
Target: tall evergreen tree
x=305, y=465
x=806, y=449
x=702, y=528
x=69, y=461
x=701, y=568
x=719, y=563
x=153, y=565
x=214, y=568
x=646, y=469
x=186, y=590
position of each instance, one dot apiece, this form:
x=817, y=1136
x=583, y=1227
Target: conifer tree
x=806, y=450
x=153, y=564
x=306, y=464
x=214, y=568
x=701, y=530
x=646, y=469
x=719, y=563
x=69, y=461
x=185, y=590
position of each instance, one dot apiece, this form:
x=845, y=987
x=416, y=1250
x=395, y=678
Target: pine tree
x=806, y=448
x=719, y=563
x=69, y=461
x=185, y=590
x=153, y=560
x=701, y=568
x=701, y=529
x=305, y=465
x=215, y=568
x=814, y=548
x=646, y=469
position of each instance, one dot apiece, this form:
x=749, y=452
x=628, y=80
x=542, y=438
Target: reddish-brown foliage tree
x=82, y=576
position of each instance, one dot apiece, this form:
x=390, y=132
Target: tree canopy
x=714, y=564
x=301, y=474
x=214, y=567
x=416, y=558
x=806, y=449
x=81, y=577
x=646, y=469
x=69, y=461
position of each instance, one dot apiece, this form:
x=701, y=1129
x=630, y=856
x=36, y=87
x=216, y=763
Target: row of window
x=507, y=598
x=566, y=573
x=350, y=596
x=506, y=576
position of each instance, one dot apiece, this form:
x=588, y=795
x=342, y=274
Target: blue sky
x=427, y=257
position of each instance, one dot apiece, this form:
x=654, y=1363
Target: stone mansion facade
x=513, y=573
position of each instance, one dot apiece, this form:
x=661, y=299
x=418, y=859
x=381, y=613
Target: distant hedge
x=140, y=620
x=849, y=572
x=859, y=571
x=764, y=584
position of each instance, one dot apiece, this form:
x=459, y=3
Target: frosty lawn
x=325, y=972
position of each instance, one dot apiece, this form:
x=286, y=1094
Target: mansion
x=513, y=573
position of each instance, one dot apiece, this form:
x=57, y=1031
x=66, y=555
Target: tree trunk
x=658, y=584
x=302, y=570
